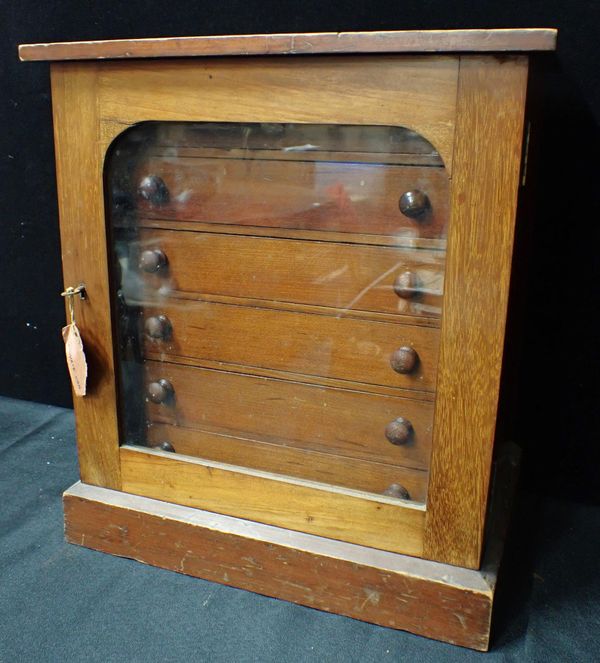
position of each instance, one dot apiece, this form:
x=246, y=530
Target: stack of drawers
x=280, y=293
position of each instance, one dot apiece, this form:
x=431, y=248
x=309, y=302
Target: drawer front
x=304, y=344
x=292, y=414
x=342, y=276
x=289, y=461
x=326, y=196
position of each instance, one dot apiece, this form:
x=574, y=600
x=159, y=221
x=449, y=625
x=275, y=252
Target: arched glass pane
x=277, y=294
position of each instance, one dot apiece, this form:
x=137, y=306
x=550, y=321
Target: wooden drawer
x=344, y=276
x=304, y=344
x=325, y=196
x=292, y=414
x=290, y=461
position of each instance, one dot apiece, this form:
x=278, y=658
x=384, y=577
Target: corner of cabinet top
x=405, y=41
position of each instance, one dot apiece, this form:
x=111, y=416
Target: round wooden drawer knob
x=398, y=491
x=407, y=285
x=404, y=360
x=414, y=204
x=153, y=189
x=400, y=431
x=158, y=327
x=163, y=446
x=152, y=260
x=160, y=391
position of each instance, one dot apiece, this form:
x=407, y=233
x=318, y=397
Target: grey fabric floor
x=64, y=603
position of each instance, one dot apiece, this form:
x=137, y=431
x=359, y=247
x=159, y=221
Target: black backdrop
x=557, y=407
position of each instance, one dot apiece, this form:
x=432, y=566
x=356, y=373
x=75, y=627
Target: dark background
x=554, y=402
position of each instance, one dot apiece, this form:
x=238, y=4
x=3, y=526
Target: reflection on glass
x=277, y=293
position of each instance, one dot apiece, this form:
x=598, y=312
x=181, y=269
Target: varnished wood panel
x=326, y=468
x=283, y=375
x=407, y=41
x=304, y=195
x=426, y=598
x=320, y=90
x=337, y=513
x=302, y=344
x=484, y=195
x=84, y=258
x=325, y=274
x=338, y=421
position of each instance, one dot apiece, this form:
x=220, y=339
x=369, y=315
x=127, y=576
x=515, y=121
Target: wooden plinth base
x=426, y=598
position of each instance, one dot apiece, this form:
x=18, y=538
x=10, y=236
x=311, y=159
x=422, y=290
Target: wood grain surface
x=302, y=344
x=84, y=259
x=488, y=151
x=304, y=195
x=338, y=513
x=270, y=373
x=426, y=598
x=362, y=475
x=325, y=274
x=371, y=90
x=409, y=41
x=294, y=414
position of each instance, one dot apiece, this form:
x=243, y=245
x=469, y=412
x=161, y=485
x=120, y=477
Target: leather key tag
x=75, y=358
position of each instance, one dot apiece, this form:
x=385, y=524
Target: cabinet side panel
x=84, y=257
x=487, y=153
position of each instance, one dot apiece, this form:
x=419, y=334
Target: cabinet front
x=293, y=274
x=276, y=327
x=277, y=291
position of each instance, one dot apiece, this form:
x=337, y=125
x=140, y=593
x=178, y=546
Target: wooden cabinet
x=296, y=273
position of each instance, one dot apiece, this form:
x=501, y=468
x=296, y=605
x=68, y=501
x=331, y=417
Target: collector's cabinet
x=293, y=257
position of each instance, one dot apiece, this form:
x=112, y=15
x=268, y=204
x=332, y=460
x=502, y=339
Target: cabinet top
x=406, y=41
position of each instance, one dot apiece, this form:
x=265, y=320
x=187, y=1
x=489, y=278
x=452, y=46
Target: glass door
x=277, y=292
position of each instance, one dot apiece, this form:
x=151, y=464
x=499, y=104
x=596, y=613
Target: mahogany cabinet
x=295, y=254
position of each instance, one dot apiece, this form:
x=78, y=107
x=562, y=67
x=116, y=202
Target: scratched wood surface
x=408, y=41
x=429, y=599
